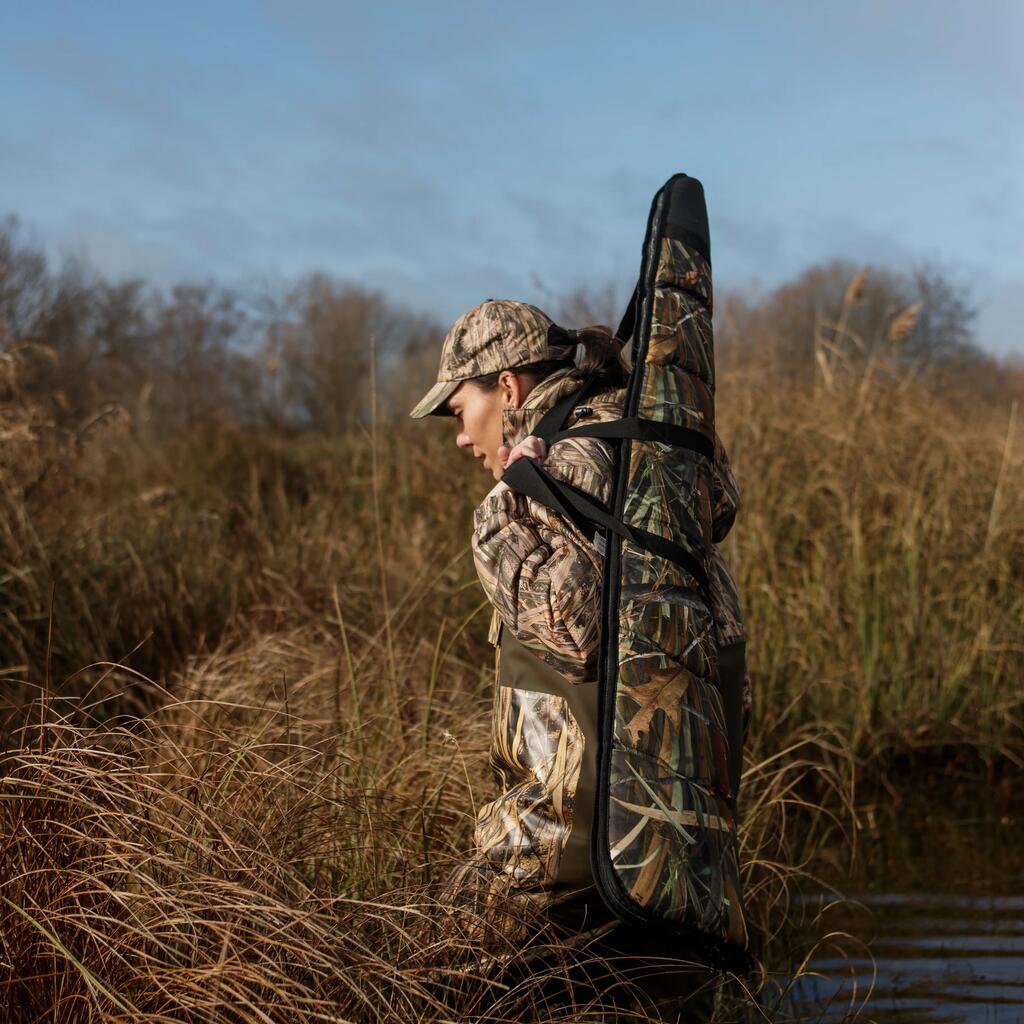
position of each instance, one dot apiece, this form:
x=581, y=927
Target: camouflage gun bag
x=664, y=847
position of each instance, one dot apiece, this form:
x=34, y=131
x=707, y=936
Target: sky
x=450, y=152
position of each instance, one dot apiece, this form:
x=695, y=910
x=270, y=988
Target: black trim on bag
x=608, y=884
x=719, y=953
x=628, y=322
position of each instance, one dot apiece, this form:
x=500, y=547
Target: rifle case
x=663, y=844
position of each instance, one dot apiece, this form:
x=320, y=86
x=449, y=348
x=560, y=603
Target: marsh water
x=932, y=925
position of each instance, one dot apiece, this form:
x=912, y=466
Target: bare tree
x=320, y=352
x=921, y=317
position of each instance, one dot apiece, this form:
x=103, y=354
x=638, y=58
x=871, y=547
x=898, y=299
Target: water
x=935, y=910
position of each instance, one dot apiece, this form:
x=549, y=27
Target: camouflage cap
x=498, y=334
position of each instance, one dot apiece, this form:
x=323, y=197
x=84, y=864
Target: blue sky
x=450, y=152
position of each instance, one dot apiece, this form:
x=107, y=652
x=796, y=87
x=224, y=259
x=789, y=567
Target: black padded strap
x=641, y=429
x=628, y=321
x=554, y=419
x=555, y=494
x=527, y=477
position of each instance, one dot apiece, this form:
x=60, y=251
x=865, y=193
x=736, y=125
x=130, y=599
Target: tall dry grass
x=881, y=561
x=263, y=845
x=247, y=688
x=879, y=549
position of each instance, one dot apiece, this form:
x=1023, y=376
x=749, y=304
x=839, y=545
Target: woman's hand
x=536, y=447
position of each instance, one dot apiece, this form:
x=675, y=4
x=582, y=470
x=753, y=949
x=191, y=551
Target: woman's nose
x=462, y=439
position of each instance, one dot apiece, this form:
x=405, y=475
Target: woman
x=503, y=365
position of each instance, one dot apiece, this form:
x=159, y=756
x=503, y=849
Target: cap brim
x=432, y=403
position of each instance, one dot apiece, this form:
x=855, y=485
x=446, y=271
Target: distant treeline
x=298, y=357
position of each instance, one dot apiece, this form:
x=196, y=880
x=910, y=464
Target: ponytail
x=598, y=357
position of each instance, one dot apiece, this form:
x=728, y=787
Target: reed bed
x=247, y=691
x=879, y=551
x=263, y=845
x=881, y=559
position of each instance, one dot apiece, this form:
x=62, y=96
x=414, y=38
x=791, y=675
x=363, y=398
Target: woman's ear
x=512, y=391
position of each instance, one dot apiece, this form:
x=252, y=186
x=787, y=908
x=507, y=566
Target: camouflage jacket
x=543, y=578
x=541, y=574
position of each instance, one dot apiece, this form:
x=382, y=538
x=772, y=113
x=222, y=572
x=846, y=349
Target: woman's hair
x=601, y=359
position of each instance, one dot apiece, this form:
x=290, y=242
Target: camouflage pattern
x=537, y=568
x=536, y=755
x=544, y=578
x=495, y=335
x=672, y=828
x=537, y=749
x=534, y=563
x=681, y=323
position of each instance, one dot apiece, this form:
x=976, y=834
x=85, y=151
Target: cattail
x=855, y=289
x=7, y=370
x=903, y=323
x=156, y=496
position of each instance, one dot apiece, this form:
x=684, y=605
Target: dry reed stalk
x=203, y=863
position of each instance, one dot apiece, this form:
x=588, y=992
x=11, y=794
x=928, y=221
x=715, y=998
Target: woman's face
x=478, y=417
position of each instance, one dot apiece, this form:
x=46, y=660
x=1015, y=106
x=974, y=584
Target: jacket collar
x=518, y=424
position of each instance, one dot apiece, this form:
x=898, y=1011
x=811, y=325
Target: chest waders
x=667, y=711
x=518, y=667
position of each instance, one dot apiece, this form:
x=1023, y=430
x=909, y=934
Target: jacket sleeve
x=542, y=576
